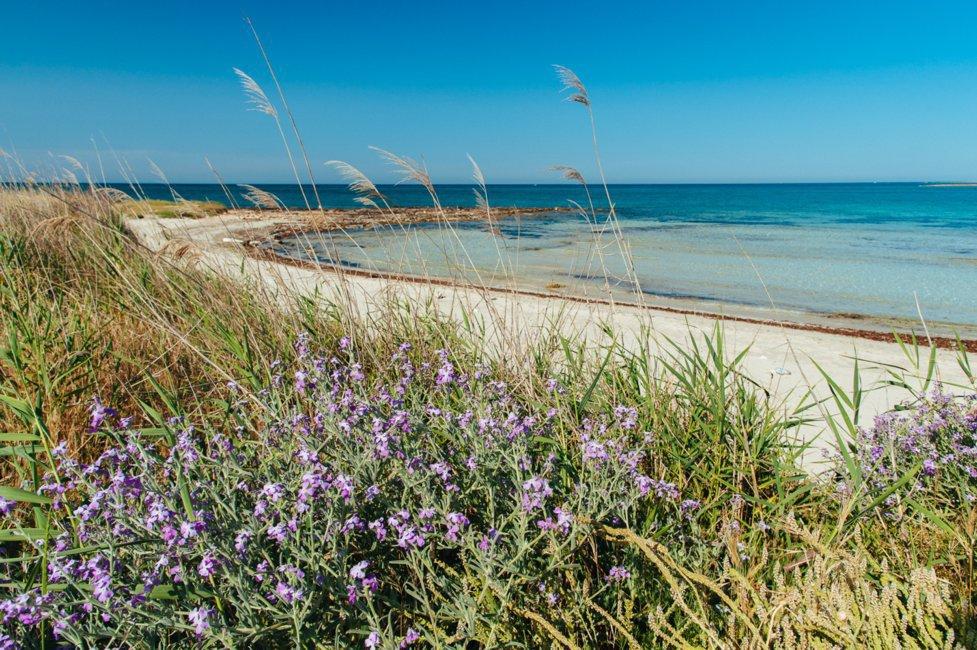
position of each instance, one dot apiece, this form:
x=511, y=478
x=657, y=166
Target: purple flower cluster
x=937, y=439
x=428, y=467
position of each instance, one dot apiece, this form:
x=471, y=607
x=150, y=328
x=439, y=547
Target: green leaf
x=17, y=494
x=22, y=534
x=19, y=437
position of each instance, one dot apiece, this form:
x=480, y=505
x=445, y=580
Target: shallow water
x=827, y=248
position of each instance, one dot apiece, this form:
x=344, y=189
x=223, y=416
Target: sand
x=782, y=359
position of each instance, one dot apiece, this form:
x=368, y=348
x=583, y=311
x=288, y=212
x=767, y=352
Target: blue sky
x=683, y=91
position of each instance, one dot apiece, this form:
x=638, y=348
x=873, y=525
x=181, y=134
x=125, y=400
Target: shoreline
x=944, y=342
x=842, y=324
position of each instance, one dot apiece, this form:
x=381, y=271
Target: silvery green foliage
x=429, y=507
x=927, y=451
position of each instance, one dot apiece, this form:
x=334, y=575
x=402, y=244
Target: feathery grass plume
x=256, y=96
x=74, y=162
x=572, y=83
x=261, y=199
x=181, y=249
x=481, y=192
x=410, y=169
x=359, y=183
x=113, y=194
x=69, y=177
x=569, y=173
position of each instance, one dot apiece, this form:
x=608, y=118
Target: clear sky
x=683, y=91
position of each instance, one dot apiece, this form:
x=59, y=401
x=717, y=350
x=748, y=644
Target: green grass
x=172, y=209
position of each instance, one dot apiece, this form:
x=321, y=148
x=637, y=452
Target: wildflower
x=261, y=571
x=410, y=638
x=6, y=506
x=410, y=537
x=643, y=483
x=358, y=572
x=301, y=382
x=102, y=587
x=618, y=574
x=286, y=593
x=100, y=413
x=373, y=640
x=278, y=533
x=199, y=618
x=627, y=416
x=594, y=450
x=378, y=529
x=446, y=373
x=208, y=565
x=241, y=541
x=535, y=491
x=689, y=506
x=456, y=523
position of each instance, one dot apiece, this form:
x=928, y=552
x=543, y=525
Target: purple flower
x=200, y=620
x=278, y=532
x=446, y=373
x=372, y=641
x=273, y=492
x=241, y=541
x=618, y=574
x=286, y=593
x=594, y=450
x=689, y=506
x=409, y=537
x=301, y=382
x=100, y=413
x=208, y=565
x=535, y=491
x=456, y=523
x=627, y=416
x=358, y=572
x=6, y=506
x=379, y=529
x=102, y=587
x=410, y=638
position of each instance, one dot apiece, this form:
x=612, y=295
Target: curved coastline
x=843, y=324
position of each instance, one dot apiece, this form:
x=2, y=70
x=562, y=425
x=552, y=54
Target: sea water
x=884, y=250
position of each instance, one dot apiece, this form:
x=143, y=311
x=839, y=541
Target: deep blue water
x=800, y=204
x=868, y=249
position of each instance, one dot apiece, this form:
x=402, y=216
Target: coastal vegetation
x=190, y=460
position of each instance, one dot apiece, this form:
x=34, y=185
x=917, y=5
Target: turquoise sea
x=867, y=249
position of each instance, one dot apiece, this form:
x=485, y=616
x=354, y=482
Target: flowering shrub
x=432, y=506
x=935, y=442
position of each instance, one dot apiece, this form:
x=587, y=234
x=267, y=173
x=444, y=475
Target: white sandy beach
x=781, y=359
